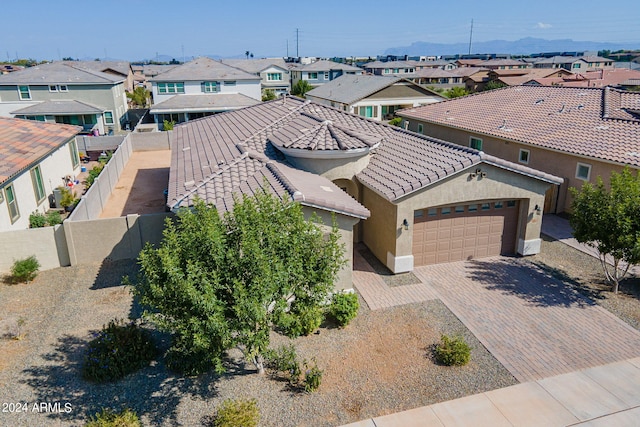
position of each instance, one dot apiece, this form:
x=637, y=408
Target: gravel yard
x=379, y=364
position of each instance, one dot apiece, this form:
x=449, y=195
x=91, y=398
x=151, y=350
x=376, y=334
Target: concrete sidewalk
x=607, y=395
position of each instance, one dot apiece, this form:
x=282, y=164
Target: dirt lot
x=140, y=187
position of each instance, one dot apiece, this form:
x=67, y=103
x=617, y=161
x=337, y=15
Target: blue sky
x=136, y=29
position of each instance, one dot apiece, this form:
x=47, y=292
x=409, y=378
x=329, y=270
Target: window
x=576, y=65
x=366, y=111
x=486, y=206
x=38, y=185
x=108, y=117
x=473, y=208
x=312, y=76
x=432, y=212
x=497, y=205
x=387, y=71
x=459, y=209
x=229, y=82
x=12, y=204
x=523, y=157
x=326, y=75
x=475, y=143
x=171, y=87
x=73, y=150
x=53, y=88
x=418, y=214
x=209, y=87
x=63, y=88
x=24, y=92
x=445, y=211
x=274, y=77
x=511, y=203
x=420, y=128
x=583, y=171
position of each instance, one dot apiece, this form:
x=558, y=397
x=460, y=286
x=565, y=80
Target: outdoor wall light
x=405, y=224
x=478, y=172
x=537, y=209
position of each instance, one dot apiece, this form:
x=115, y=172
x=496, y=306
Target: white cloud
x=542, y=26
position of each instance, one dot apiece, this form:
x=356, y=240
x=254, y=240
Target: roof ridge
x=295, y=194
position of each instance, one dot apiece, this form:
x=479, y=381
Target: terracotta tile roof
x=234, y=152
x=23, y=143
x=597, y=123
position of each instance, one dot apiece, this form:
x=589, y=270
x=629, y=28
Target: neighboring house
x=436, y=77
x=522, y=76
x=576, y=64
x=35, y=158
x=274, y=72
x=321, y=72
x=200, y=88
x=374, y=97
x=601, y=78
x=390, y=68
x=62, y=92
x=8, y=68
x=575, y=133
x=503, y=64
x=474, y=78
x=121, y=69
x=442, y=64
x=413, y=200
x=143, y=73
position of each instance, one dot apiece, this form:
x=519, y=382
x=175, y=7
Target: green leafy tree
x=139, y=97
x=268, y=95
x=168, y=125
x=301, y=88
x=455, y=92
x=608, y=219
x=221, y=282
x=494, y=84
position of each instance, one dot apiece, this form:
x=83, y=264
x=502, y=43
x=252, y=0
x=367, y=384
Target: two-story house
x=274, y=72
x=321, y=72
x=35, y=158
x=200, y=88
x=576, y=64
x=63, y=92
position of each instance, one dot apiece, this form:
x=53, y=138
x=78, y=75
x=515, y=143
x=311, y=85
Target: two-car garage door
x=456, y=233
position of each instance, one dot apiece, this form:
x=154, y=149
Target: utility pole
x=297, y=43
x=287, y=48
x=470, y=36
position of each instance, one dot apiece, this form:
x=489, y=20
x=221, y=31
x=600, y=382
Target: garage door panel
x=465, y=235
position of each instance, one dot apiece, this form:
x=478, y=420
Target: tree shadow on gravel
x=111, y=273
x=540, y=285
x=152, y=392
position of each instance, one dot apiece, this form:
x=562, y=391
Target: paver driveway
x=535, y=325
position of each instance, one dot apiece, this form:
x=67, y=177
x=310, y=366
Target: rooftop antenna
x=470, y=36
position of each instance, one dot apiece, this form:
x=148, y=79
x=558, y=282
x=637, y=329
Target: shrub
x=109, y=418
x=37, y=220
x=395, y=121
x=25, y=270
x=168, y=125
x=118, y=350
x=54, y=218
x=452, y=351
x=93, y=174
x=68, y=197
x=312, y=376
x=344, y=307
x=237, y=413
x=302, y=321
x=284, y=360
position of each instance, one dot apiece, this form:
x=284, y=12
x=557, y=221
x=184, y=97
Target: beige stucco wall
x=385, y=236
x=47, y=244
x=345, y=227
x=552, y=162
x=335, y=168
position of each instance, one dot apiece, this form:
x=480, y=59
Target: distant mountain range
x=526, y=46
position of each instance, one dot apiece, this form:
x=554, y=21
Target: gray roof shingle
x=58, y=73
x=348, y=89
x=203, y=102
x=60, y=107
x=204, y=69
